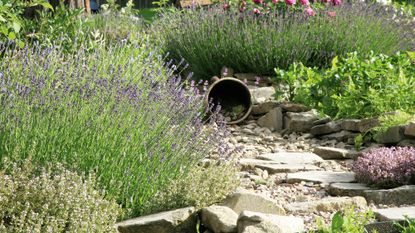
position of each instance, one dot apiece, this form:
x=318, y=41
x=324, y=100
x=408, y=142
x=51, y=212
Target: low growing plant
x=52, y=199
x=117, y=112
x=356, y=85
x=249, y=42
x=386, y=167
x=408, y=226
x=349, y=221
x=200, y=187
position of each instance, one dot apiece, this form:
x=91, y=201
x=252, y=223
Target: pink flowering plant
x=386, y=167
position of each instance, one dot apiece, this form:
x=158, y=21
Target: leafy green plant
x=349, y=221
x=408, y=226
x=52, y=199
x=200, y=187
x=356, y=85
x=210, y=38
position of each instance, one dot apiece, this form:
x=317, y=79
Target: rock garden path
x=306, y=177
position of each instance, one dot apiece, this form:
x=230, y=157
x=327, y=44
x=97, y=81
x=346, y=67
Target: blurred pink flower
x=258, y=1
x=304, y=2
x=309, y=11
x=325, y=1
x=242, y=9
x=274, y=1
x=243, y=3
x=331, y=13
x=226, y=6
x=256, y=11
x=290, y=2
x=337, y=2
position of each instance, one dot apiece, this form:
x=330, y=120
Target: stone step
x=289, y=168
x=395, y=213
x=292, y=157
x=404, y=195
x=326, y=177
x=347, y=189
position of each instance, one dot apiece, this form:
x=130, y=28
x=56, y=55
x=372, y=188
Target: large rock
x=330, y=127
x=347, y=189
x=292, y=157
x=175, y=221
x=410, y=129
x=397, y=196
x=334, y=153
x=407, y=142
x=245, y=200
x=294, y=107
x=342, y=136
x=396, y=214
x=322, y=121
x=251, y=222
x=325, y=177
x=262, y=94
x=367, y=124
x=392, y=136
x=328, y=204
x=279, y=168
x=300, y=122
x=273, y=120
x=263, y=108
x=350, y=125
x=219, y=219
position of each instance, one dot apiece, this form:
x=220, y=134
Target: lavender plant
x=250, y=42
x=386, y=167
x=117, y=112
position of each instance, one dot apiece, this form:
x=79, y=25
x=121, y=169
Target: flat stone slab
x=347, y=189
x=395, y=214
x=321, y=177
x=328, y=204
x=292, y=157
x=334, y=153
x=278, y=168
x=404, y=195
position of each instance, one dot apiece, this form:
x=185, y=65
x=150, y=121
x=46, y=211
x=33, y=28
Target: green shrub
x=52, y=199
x=210, y=38
x=408, y=226
x=356, y=86
x=200, y=187
x=113, y=111
x=349, y=221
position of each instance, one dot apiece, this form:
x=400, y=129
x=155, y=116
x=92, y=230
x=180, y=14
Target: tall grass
x=116, y=111
x=209, y=39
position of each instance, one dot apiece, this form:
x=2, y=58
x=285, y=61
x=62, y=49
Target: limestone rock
x=252, y=222
x=273, y=120
x=325, y=177
x=410, y=129
x=300, y=122
x=407, y=142
x=292, y=157
x=347, y=189
x=322, y=121
x=294, y=107
x=395, y=214
x=397, y=196
x=219, y=219
x=262, y=94
x=328, y=204
x=279, y=168
x=342, y=136
x=366, y=124
x=330, y=127
x=175, y=221
x=245, y=200
x=264, y=107
x=333, y=153
x=350, y=125
x=392, y=136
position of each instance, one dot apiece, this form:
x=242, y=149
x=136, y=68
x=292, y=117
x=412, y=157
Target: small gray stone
x=262, y=94
x=326, y=177
x=396, y=214
x=294, y=107
x=410, y=129
x=392, y=136
x=367, y=124
x=300, y=122
x=273, y=120
x=322, y=121
x=397, y=196
x=347, y=189
x=175, y=221
x=292, y=157
x=219, y=219
x=246, y=200
x=327, y=128
x=333, y=153
x=328, y=204
x=252, y=222
x=350, y=125
x=263, y=108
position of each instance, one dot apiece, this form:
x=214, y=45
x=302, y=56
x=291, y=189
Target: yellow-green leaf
x=12, y=36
